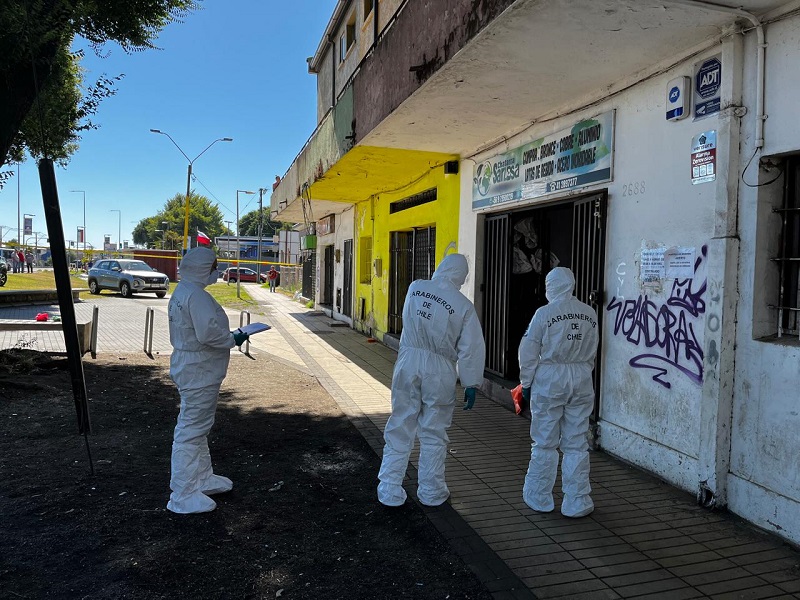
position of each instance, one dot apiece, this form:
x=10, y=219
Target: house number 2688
x=633, y=189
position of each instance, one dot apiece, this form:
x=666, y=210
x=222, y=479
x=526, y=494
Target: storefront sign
x=569, y=159
x=326, y=225
x=704, y=157
x=707, y=84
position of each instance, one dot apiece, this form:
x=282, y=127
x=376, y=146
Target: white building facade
x=651, y=146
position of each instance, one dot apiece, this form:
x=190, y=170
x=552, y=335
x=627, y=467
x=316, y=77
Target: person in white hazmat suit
x=440, y=331
x=201, y=341
x=556, y=359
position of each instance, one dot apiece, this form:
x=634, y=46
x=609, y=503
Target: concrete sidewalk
x=644, y=540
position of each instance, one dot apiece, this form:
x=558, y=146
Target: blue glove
x=526, y=395
x=240, y=337
x=469, y=398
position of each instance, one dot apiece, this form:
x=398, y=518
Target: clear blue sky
x=235, y=68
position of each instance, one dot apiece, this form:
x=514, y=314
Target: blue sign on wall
x=707, y=85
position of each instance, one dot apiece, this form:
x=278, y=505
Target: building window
x=348, y=37
x=365, y=259
x=367, y=8
x=788, y=259
x=412, y=201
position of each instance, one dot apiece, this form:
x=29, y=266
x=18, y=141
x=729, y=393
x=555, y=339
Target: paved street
x=644, y=540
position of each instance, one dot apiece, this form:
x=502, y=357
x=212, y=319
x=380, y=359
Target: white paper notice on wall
x=652, y=265
x=679, y=263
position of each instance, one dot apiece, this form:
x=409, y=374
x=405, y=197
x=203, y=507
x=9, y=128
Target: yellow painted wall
x=373, y=219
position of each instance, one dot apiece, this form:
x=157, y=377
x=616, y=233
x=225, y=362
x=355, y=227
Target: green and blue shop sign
x=568, y=159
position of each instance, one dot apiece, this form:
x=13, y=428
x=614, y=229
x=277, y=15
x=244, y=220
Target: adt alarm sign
x=707, y=84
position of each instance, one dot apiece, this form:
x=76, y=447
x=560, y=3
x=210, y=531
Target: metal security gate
x=588, y=258
x=326, y=297
x=309, y=274
x=495, y=320
x=347, y=284
x=412, y=256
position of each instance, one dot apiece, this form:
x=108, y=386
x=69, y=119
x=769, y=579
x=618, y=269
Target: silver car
x=127, y=277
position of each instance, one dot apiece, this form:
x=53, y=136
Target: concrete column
x=722, y=293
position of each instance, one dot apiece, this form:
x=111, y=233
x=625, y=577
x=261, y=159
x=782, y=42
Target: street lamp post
x=189, y=179
x=119, y=227
x=84, y=216
x=165, y=230
x=238, y=244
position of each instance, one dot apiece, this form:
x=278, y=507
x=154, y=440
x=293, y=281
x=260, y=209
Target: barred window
x=788, y=259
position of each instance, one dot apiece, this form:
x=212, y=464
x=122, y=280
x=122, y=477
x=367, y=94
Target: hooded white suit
x=440, y=330
x=198, y=332
x=556, y=358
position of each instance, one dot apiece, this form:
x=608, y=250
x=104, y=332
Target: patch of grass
x=41, y=280
x=226, y=295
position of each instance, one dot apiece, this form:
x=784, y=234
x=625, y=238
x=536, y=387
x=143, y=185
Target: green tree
x=203, y=215
x=248, y=224
x=43, y=105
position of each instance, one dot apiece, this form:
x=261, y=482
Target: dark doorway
x=347, y=284
x=521, y=248
x=309, y=274
x=412, y=255
x=326, y=285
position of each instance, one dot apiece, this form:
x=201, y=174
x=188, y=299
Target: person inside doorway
x=556, y=359
x=441, y=331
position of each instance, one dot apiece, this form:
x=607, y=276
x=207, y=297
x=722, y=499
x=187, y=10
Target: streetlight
x=84, y=216
x=238, y=248
x=119, y=227
x=163, y=237
x=189, y=179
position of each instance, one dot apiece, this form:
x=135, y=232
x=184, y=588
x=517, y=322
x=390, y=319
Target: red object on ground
x=519, y=401
x=42, y=317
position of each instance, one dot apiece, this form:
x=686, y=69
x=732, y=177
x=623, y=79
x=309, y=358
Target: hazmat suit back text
x=201, y=341
x=556, y=357
x=441, y=340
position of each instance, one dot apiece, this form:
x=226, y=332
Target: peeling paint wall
x=765, y=436
x=424, y=37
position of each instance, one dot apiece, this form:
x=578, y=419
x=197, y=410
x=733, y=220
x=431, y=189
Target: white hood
x=559, y=284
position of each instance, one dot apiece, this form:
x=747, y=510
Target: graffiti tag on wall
x=666, y=332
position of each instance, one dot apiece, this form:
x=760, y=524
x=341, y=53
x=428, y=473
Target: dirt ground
x=301, y=522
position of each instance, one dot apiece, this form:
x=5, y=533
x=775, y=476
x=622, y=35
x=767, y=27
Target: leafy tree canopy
x=44, y=105
x=248, y=224
x=203, y=215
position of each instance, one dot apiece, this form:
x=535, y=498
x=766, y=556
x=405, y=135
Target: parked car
x=3, y=271
x=232, y=274
x=127, y=277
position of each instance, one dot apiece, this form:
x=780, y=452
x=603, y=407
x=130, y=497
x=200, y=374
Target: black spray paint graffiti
x=667, y=331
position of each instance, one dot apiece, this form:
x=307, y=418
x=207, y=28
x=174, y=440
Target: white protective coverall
x=198, y=332
x=556, y=358
x=440, y=330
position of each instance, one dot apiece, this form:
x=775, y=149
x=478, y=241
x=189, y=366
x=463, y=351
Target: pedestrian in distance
x=272, y=277
x=29, y=258
x=556, y=359
x=198, y=332
x=14, y=261
x=21, y=259
x=441, y=341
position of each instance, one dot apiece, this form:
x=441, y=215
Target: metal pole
x=19, y=231
x=238, y=249
x=186, y=216
x=260, y=228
